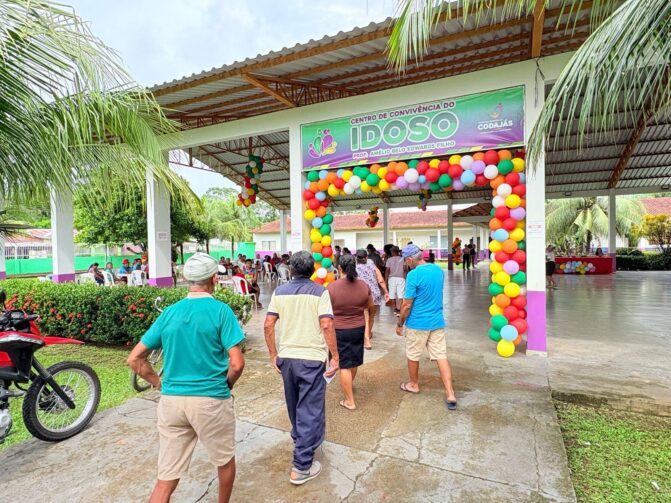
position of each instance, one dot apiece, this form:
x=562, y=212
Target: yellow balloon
x=384, y=185
x=247, y=202
x=502, y=278
x=238, y=202
x=513, y=201
x=382, y=172
x=333, y=190
x=346, y=175
x=377, y=190
x=517, y=234
x=326, y=241
x=314, y=276
x=250, y=191
x=310, y=215
x=494, y=246
x=364, y=186
x=315, y=236
x=433, y=163
x=518, y=165
x=494, y=310
x=454, y=159
x=505, y=348
x=495, y=267
x=511, y=290
x=521, y=224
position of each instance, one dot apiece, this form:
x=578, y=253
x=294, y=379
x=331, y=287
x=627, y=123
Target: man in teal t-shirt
x=422, y=315
x=200, y=338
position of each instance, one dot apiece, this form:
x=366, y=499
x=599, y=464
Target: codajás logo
x=322, y=145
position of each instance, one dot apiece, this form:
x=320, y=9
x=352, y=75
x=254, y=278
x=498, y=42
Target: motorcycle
x=61, y=400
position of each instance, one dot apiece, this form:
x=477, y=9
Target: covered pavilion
x=258, y=106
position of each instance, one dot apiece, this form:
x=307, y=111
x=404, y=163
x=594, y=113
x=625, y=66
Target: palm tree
x=624, y=62
x=577, y=221
x=227, y=220
x=67, y=105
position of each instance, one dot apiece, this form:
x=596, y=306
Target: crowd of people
x=323, y=331
x=117, y=275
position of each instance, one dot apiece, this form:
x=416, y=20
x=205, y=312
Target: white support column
x=62, y=236
x=438, y=255
x=535, y=231
x=395, y=239
x=450, y=235
x=283, y=231
x=385, y=227
x=612, y=229
x=300, y=230
x=158, y=233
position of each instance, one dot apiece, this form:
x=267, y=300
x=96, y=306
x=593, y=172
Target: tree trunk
x=181, y=252
x=588, y=243
x=232, y=248
x=207, y=246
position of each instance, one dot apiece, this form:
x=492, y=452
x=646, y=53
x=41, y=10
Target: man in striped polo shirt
x=306, y=336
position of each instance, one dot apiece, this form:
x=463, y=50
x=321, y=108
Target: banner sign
x=482, y=121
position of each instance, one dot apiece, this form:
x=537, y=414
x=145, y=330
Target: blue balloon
x=323, y=174
x=509, y=333
x=421, y=179
x=320, y=196
x=340, y=172
x=523, y=178
x=358, y=191
x=307, y=185
x=468, y=177
x=500, y=235
x=317, y=222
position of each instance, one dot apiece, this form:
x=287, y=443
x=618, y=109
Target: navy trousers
x=305, y=393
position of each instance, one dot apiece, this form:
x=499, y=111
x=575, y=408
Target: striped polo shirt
x=300, y=304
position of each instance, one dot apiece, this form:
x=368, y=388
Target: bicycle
x=155, y=358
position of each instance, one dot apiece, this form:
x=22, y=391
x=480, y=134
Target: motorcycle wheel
x=45, y=414
x=156, y=360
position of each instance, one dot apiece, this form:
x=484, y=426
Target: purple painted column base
x=162, y=282
x=3, y=275
x=63, y=278
x=537, y=322
x=612, y=255
x=450, y=263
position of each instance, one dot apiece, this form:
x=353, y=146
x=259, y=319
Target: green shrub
x=118, y=315
x=629, y=251
x=647, y=262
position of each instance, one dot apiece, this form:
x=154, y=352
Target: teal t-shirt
x=424, y=284
x=195, y=335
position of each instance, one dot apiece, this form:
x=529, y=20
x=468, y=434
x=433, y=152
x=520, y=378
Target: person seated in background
x=125, y=267
x=274, y=262
x=251, y=275
x=110, y=269
x=137, y=264
x=228, y=264
x=237, y=272
x=599, y=252
x=97, y=273
x=284, y=266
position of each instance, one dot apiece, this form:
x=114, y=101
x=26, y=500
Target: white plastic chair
x=109, y=279
x=137, y=278
x=283, y=275
x=86, y=277
x=270, y=276
x=240, y=290
x=179, y=272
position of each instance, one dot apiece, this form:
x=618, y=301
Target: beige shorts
x=432, y=340
x=182, y=421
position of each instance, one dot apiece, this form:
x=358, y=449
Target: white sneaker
x=302, y=476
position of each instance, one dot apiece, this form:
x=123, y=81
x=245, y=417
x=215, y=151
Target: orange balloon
x=497, y=181
x=321, y=211
x=502, y=300
x=314, y=187
x=505, y=155
x=518, y=339
x=495, y=223
x=479, y=156
x=330, y=277
x=323, y=185
x=509, y=246
x=391, y=167
x=331, y=177
x=494, y=193
x=401, y=168
x=375, y=168
x=523, y=203
x=316, y=247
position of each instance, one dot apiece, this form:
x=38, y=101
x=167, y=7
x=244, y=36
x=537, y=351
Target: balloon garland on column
x=373, y=217
x=456, y=251
x=251, y=179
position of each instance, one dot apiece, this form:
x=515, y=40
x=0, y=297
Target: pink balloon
x=414, y=186
x=457, y=185
x=511, y=267
x=478, y=167
x=518, y=213
x=401, y=183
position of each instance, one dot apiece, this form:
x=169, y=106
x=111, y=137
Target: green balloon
x=521, y=245
x=499, y=321
x=325, y=230
x=435, y=187
x=491, y=213
x=505, y=167
x=519, y=277
x=317, y=256
x=327, y=262
x=255, y=187
x=327, y=219
x=495, y=289
x=313, y=176
x=494, y=334
x=413, y=164
x=362, y=172
x=445, y=180
x=372, y=179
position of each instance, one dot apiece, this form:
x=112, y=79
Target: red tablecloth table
x=603, y=265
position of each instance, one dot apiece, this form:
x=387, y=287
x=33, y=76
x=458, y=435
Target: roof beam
x=537, y=29
x=271, y=92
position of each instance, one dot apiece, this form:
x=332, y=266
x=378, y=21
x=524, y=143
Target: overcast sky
x=162, y=40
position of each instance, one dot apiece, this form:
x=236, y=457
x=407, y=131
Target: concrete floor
x=503, y=444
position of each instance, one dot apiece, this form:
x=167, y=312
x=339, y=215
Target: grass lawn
x=109, y=364
x=617, y=456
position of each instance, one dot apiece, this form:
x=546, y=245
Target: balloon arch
x=502, y=170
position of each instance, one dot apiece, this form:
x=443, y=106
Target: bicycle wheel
x=156, y=360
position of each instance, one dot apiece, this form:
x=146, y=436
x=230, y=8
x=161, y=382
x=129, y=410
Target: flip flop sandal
x=345, y=406
x=405, y=388
x=450, y=405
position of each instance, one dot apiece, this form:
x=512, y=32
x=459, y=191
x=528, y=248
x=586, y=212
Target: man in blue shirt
x=200, y=338
x=422, y=315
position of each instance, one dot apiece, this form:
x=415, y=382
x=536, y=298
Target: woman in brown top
x=350, y=298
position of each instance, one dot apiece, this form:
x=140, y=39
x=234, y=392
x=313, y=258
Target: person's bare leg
x=446, y=376
x=354, y=371
x=373, y=312
x=163, y=491
x=366, y=333
x=413, y=375
x=346, y=385
x=226, y=477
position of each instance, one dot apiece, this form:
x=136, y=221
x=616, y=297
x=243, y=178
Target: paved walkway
x=503, y=444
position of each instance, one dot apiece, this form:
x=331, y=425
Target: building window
x=268, y=245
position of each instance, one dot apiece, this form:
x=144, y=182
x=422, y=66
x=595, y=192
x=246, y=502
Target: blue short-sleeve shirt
x=195, y=334
x=424, y=284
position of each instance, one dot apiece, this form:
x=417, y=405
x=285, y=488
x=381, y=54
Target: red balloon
x=520, y=324
x=455, y=171
x=520, y=189
x=509, y=224
x=519, y=302
x=391, y=177
x=432, y=174
x=520, y=256
x=307, y=195
x=522, y=313
x=481, y=181
x=327, y=251
x=339, y=183
x=491, y=157
x=422, y=166
x=443, y=166
x=325, y=203
x=523, y=267
x=502, y=213
x=501, y=257
x=313, y=203
x=513, y=179
x=511, y=313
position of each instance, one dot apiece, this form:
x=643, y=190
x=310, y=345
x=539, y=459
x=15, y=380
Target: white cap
x=200, y=267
